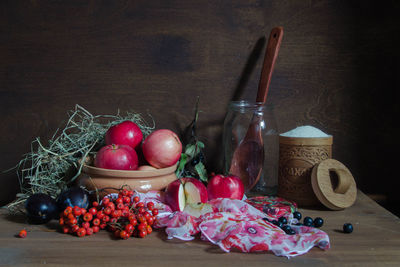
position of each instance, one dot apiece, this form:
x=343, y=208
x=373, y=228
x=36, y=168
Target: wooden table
x=374, y=242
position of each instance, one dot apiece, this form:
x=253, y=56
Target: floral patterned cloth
x=236, y=224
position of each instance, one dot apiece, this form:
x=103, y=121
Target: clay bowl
x=109, y=181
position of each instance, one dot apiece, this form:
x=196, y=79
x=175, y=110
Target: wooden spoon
x=248, y=158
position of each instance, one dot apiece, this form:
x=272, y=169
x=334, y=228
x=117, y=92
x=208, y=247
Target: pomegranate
x=162, y=148
x=124, y=133
x=117, y=157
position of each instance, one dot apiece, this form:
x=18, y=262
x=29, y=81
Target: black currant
x=308, y=221
x=277, y=223
x=347, y=228
x=291, y=232
x=297, y=215
x=318, y=222
x=283, y=220
x=286, y=228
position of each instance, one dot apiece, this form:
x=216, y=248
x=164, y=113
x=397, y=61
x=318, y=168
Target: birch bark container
x=297, y=157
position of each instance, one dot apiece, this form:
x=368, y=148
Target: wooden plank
x=374, y=242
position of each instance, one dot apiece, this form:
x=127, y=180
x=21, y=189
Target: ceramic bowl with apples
x=128, y=160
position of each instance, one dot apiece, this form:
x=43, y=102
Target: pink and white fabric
x=235, y=224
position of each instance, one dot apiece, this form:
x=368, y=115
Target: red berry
x=95, y=229
x=93, y=211
x=95, y=204
x=125, y=213
x=107, y=210
x=120, y=206
x=155, y=211
x=96, y=222
x=61, y=221
x=140, y=205
x=71, y=216
x=72, y=221
x=105, y=201
x=22, y=233
x=103, y=226
x=124, y=235
x=105, y=219
x=85, y=225
x=119, y=200
x=116, y=214
x=126, y=199
x=111, y=205
x=150, y=205
x=142, y=233
x=74, y=228
x=149, y=229
x=141, y=218
x=136, y=199
x=66, y=229
x=77, y=211
x=66, y=212
x=81, y=232
x=142, y=227
x=150, y=220
x=89, y=231
x=124, y=192
x=100, y=214
x=133, y=222
x=129, y=228
x=141, y=210
x=88, y=217
x=146, y=215
x=83, y=211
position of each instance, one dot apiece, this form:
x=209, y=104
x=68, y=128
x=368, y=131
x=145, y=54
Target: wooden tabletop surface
x=374, y=242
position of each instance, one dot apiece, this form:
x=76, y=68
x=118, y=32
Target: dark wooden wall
x=338, y=69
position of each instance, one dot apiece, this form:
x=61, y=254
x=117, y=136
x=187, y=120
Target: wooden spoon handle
x=274, y=42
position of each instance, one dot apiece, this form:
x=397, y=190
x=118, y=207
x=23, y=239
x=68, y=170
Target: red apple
x=162, y=148
x=116, y=157
x=124, y=133
x=184, y=191
x=225, y=186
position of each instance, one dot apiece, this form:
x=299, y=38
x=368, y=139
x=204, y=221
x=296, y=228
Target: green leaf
x=200, y=144
x=201, y=171
x=182, y=163
x=190, y=150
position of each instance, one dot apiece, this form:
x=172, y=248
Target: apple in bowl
x=116, y=157
x=125, y=133
x=185, y=191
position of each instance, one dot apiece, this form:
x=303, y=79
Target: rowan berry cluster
x=124, y=216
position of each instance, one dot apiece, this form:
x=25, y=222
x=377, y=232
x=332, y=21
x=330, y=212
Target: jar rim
x=245, y=104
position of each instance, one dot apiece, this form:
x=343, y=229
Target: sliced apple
x=198, y=209
x=183, y=191
x=195, y=191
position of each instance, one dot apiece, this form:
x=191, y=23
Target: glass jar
x=237, y=121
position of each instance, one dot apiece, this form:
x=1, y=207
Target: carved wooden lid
x=333, y=184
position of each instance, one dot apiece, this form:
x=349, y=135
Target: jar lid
x=333, y=184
